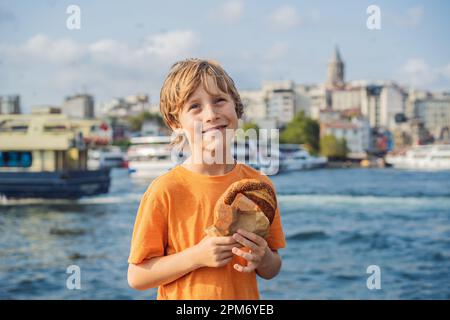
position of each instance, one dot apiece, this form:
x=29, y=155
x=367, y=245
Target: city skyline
x=116, y=54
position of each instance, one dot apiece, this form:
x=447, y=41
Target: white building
x=255, y=106
x=123, y=107
x=434, y=112
x=356, y=133
x=379, y=102
x=279, y=100
x=80, y=106
x=276, y=102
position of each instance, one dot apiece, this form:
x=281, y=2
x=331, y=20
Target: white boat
x=301, y=160
x=109, y=157
x=424, y=157
x=149, y=157
x=292, y=157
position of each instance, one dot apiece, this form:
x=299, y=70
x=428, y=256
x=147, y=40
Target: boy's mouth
x=215, y=128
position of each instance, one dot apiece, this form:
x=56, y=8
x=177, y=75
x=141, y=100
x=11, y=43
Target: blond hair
x=184, y=78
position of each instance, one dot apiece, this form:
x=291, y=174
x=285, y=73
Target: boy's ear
x=175, y=127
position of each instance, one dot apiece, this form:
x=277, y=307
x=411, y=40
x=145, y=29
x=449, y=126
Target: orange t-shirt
x=172, y=216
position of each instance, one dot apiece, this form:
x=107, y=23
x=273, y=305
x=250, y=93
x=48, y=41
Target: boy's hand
x=257, y=246
x=215, y=251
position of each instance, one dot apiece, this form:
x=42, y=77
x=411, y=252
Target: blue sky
x=126, y=47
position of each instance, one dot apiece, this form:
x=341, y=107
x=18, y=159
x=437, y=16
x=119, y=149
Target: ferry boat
x=45, y=156
x=422, y=157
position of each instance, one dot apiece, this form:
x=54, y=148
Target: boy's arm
x=270, y=265
x=209, y=252
x=161, y=270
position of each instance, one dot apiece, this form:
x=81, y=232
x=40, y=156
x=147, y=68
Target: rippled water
x=337, y=223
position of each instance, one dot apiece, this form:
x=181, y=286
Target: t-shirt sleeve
x=276, y=239
x=149, y=237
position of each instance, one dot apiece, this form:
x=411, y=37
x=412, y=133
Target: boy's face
x=203, y=112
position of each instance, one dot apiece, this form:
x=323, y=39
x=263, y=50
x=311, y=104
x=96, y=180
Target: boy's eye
x=220, y=100
x=193, y=106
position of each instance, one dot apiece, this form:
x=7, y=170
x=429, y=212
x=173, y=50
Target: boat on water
x=297, y=158
x=292, y=157
x=45, y=156
x=149, y=156
x=422, y=157
x=106, y=157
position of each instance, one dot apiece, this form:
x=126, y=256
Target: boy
x=169, y=247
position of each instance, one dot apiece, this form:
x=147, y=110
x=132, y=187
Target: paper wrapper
x=241, y=214
x=252, y=221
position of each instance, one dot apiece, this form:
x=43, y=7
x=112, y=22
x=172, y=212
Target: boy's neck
x=214, y=169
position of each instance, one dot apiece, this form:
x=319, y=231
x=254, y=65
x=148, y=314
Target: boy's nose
x=210, y=113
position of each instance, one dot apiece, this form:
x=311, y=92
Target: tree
x=302, y=130
x=250, y=125
x=332, y=147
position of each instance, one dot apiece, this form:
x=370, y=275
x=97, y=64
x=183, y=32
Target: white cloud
x=170, y=45
x=161, y=46
x=284, y=17
x=41, y=48
x=229, y=11
x=418, y=73
x=107, y=67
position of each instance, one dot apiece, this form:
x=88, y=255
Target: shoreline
x=346, y=164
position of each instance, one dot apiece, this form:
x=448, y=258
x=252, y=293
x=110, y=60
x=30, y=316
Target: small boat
x=292, y=157
x=422, y=157
x=149, y=156
x=45, y=156
x=106, y=157
x=300, y=160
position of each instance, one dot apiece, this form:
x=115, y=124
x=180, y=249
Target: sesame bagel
x=249, y=204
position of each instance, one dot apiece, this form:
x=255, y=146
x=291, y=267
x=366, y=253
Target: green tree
x=123, y=144
x=332, y=147
x=250, y=125
x=302, y=130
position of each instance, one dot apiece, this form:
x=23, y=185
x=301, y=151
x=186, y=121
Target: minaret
x=335, y=77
